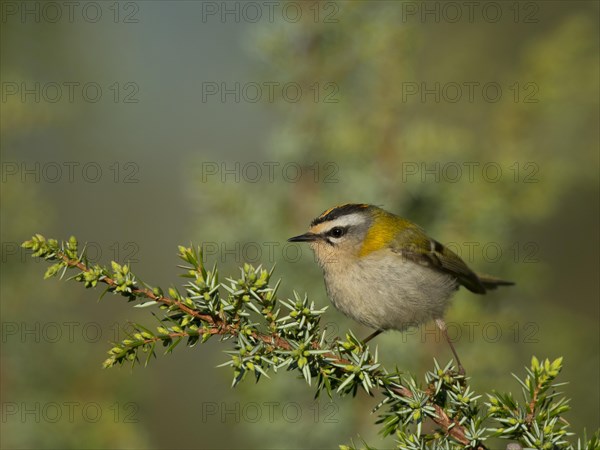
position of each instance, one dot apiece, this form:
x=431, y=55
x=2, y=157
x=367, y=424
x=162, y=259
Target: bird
x=385, y=272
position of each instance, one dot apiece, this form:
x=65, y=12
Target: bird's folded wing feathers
x=413, y=244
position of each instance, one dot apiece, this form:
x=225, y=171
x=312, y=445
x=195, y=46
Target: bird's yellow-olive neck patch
x=382, y=231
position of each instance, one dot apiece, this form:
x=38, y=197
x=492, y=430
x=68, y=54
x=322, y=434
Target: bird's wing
x=429, y=252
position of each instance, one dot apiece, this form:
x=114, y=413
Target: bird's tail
x=490, y=282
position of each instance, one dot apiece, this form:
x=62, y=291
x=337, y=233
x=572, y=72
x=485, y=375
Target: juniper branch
x=295, y=341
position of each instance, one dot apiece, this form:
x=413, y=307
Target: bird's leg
x=442, y=326
x=372, y=335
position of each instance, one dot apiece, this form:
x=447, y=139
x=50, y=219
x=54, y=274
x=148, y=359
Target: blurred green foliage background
x=507, y=174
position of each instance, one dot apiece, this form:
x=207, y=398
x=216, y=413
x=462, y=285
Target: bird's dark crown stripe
x=339, y=211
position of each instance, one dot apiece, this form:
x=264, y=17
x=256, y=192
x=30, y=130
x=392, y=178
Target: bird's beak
x=306, y=237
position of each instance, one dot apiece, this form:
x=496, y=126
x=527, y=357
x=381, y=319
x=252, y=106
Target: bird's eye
x=337, y=232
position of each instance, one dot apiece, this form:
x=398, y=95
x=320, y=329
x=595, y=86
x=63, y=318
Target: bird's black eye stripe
x=337, y=232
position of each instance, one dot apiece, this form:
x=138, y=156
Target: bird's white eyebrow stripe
x=344, y=221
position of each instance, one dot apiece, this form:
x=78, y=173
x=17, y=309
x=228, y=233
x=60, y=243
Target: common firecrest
x=385, y=272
